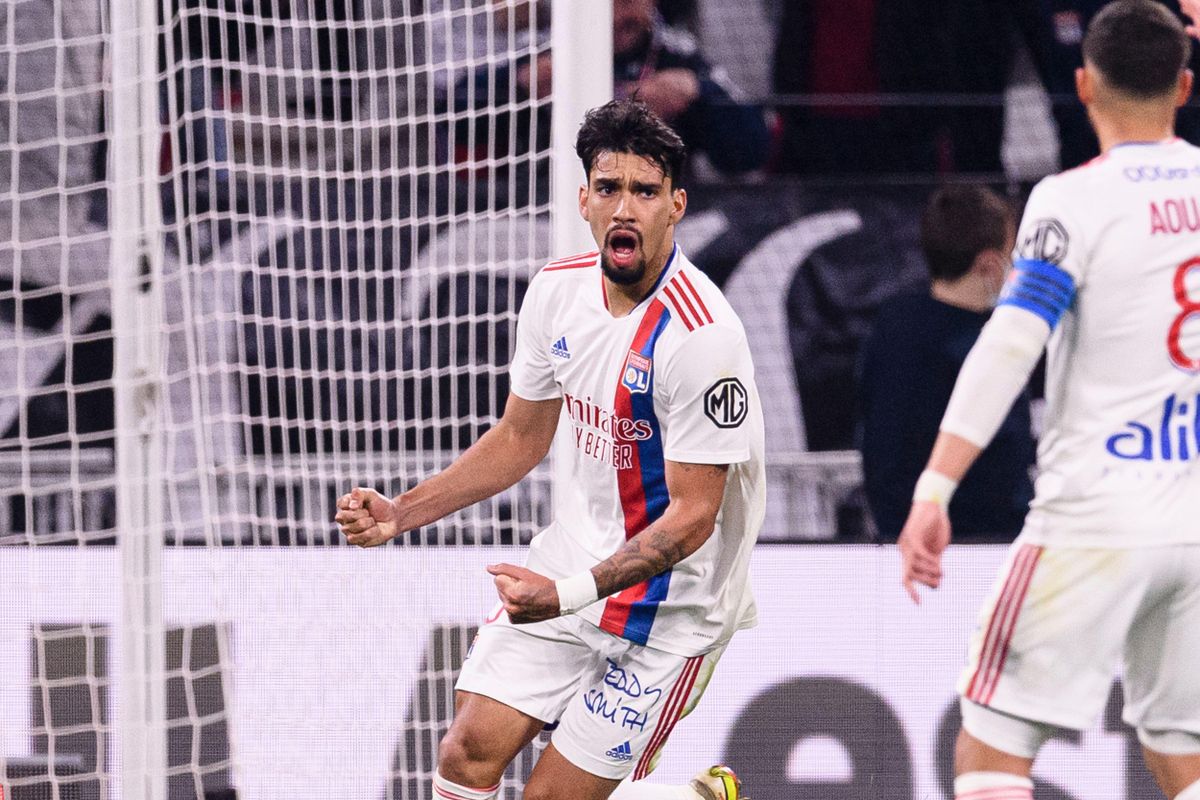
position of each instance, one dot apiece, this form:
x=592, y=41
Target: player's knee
x=463, y=757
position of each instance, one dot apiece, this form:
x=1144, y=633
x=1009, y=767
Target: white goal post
x=258, y=252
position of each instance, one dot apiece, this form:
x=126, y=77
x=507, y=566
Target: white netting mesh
x=353, y=195
x=355, y=198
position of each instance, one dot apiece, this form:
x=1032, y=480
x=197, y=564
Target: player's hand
x=926, y=534
x=366, y=518
x=1191, y=9
x=527, y=596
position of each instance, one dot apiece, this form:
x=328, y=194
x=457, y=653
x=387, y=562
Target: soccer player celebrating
x=1107, y=567
x=615, y=624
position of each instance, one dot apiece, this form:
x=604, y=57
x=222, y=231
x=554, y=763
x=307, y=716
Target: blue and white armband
x=1039, y=287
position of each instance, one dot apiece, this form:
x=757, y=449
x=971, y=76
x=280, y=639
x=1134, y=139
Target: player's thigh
x=619, y=722
x=483, y=738
x=556, y=778
x=516, y=678
x=1162, y=692
x=1174, y=772
x=1051, y=633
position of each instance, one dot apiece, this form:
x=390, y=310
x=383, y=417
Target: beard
x=629, y=275
x=622, y=277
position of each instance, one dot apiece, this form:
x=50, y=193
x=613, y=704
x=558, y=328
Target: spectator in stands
x=1058, y=52
x=664, y=67
x=661, y=64
x=843, y=50
x=912, y=358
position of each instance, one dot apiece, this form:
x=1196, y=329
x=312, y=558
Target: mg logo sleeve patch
x=725, y=403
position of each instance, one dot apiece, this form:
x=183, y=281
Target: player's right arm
x=500, y=458
x=1048, y=270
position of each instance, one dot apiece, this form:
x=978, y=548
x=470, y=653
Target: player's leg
x=1162, y=695
x=514, y=679
x=1042, y=657
x=1178, y=774
x=994, y=754
x=484, y=738
x=618, y=723
x=714, y=783
x=554, y=772
x=556, y=778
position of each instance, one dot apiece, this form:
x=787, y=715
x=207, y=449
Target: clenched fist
x=366, y=518
x=527, y=596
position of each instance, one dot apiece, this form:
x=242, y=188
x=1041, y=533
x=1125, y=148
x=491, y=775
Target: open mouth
x=622, y=246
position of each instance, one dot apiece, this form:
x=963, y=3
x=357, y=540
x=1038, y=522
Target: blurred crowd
x=842, y=87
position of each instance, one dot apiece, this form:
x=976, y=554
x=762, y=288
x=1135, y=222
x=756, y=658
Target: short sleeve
x=1048, y=260
x=531, y=375
x=710, y=398
x=1048, y=231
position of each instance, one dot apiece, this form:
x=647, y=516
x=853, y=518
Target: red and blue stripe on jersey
x=643, y=489
x=577, y=261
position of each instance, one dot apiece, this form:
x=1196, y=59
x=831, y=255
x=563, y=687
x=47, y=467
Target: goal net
x=347, y=199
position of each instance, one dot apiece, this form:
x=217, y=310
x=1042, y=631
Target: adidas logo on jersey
x=559, y=348
x=622, y=752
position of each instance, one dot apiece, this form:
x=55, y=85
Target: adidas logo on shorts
x=622, y=752
x=559, y=348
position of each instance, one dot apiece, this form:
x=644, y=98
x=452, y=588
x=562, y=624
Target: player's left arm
x=696, y=491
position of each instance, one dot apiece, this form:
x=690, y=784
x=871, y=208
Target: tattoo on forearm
x=642, y=557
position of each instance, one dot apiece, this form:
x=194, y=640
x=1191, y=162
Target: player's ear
x=679, y=203
x=1083, y=85
x=1184, y=88
x=583, y=206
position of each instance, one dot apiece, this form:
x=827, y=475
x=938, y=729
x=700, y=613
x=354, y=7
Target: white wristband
x=934, y=487
x=576, y=592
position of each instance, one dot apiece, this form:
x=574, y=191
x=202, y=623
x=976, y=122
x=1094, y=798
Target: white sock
x=641, y=790
x=1190, y=793
x=448, y=790
x=992, y=786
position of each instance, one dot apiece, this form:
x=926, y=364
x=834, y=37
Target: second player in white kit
x=1107, y=569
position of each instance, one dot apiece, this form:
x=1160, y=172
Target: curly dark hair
x=1139, y=46
x=629, y=126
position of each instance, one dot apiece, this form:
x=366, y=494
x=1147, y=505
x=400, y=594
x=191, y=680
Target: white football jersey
x=672, y=380
x=1117, y=243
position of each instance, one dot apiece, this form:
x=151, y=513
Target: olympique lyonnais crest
x=635, y=375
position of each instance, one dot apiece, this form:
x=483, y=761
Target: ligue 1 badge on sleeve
x=635, y=375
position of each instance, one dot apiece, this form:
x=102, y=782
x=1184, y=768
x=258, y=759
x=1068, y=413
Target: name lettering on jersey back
x=1150, y=173
x=603, y=435
x=1177, y=215
x=1177, y=437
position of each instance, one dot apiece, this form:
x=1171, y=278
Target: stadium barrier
x=343, y=665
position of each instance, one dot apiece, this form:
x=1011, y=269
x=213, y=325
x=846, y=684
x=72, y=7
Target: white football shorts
x=1060, y=619
x=615, y=701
